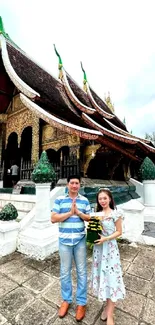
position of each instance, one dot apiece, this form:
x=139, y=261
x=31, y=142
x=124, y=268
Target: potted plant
x=8, y=229
x=147, y=175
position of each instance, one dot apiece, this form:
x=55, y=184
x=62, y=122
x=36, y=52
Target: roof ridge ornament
x=109, y=102
x=2, y=30
x=7, y=37
x=84, y=78
x=60, y=65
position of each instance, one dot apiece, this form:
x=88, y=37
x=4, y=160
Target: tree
x=150, y=137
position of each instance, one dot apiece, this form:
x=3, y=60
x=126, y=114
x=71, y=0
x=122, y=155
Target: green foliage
x=43, y=172
x=150, y=137
x=147, y=170
x=9, y=212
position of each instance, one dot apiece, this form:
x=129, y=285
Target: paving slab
x=13, y=302
x=38, y=313
x=144, y=261
x=8, y=285
x=53, y=295
x=151, y=293
x=141, y=272
x=53, y=266
x=136, y=284
x=149, y=312
x=128, y=254
x=39, y=283
x=132, y=304
x=125, y=265
x=17, y=271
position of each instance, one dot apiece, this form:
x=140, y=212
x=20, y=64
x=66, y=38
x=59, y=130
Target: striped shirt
x=71, y=230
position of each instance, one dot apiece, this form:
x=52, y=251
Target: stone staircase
x=24, y=203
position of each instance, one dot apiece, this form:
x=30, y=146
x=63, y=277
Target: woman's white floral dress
x=106, y=278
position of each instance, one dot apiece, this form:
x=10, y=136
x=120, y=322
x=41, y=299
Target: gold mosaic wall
x=53, y=138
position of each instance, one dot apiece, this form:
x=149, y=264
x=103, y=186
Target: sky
x=113, y=39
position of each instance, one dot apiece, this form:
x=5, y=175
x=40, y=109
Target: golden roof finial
x=109, y=103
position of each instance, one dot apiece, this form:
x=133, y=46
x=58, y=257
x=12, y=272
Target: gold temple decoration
x=89, y=154
x=109, y=102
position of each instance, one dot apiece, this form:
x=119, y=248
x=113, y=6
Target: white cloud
x=114, y=40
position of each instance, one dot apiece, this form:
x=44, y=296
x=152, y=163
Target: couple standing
x=71, y=211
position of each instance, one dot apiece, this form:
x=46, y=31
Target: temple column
x=35, y=140
x=1, y=144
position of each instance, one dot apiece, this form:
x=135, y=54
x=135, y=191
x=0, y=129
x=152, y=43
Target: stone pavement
x=30, y=290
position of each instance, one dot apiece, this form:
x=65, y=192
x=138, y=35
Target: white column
x=133, y=224
x=43, y=210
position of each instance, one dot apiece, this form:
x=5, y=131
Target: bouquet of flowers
x=94, y=229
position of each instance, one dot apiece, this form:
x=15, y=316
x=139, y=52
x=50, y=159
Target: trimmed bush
x=9, y=212
x=44, y=171
x=147, y=170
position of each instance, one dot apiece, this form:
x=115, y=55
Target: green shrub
x=147, y=170
x=9, y=212
x=44, y=171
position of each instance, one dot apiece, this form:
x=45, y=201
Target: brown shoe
x=80, y=313
x=63, y=309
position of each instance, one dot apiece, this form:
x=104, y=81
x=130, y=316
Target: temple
x=79, y=131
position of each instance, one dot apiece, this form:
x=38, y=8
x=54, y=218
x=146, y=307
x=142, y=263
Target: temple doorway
x=11, y=156
x=106, y=165
x=26, y=144
x=26, y=166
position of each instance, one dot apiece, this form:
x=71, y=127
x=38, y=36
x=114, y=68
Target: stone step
x=149, y=229
x=148, y=235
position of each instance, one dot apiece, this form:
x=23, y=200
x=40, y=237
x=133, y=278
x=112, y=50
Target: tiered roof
x=63, y=104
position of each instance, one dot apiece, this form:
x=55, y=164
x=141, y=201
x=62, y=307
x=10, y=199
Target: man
x=71, y=210
x=14, y=173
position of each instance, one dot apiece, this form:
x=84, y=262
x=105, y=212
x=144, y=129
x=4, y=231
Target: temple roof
x=62, y=103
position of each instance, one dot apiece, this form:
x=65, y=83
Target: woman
x=107, y=283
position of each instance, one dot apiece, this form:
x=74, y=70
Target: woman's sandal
x=103, y=315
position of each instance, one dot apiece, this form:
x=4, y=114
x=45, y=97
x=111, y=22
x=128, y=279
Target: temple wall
x=53, y=138
x=19, y=117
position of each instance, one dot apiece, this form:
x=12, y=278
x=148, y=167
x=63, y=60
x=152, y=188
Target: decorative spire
x=124, y=121
x=84, y=78
x=109, y=103
x=60, y=66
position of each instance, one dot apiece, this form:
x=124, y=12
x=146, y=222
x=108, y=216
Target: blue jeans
x=67, y=254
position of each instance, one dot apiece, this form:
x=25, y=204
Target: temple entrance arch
x=63, y=152
x=26, y=166
x=26, y=144
x=11, y=156
x=53, y=156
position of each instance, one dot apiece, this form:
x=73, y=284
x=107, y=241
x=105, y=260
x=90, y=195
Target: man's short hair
x=72, y=177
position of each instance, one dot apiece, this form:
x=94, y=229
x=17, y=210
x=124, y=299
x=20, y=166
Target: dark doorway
x=106, y=165
x=26, y=144
x=11, y=156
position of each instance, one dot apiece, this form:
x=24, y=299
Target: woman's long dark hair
x=112, y=203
